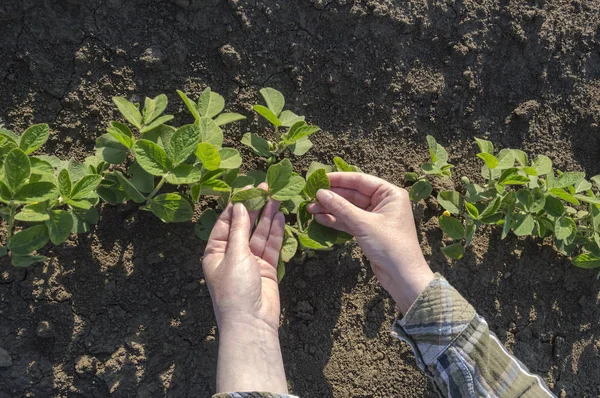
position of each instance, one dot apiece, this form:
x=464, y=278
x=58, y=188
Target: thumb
x=337, y=206
x=239, y=232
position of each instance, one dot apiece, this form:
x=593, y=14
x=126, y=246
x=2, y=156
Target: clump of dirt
x=125, y=311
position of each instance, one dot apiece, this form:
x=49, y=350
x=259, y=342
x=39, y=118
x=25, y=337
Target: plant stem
x=158, y=186
x=11, y=221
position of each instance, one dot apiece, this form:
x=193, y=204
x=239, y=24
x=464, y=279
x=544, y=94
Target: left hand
x=240, y=266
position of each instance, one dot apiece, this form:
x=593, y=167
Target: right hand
x=380, y=217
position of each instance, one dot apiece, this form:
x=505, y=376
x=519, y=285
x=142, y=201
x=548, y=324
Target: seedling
x=290, y=130
x=527, y=198
x=47, y=199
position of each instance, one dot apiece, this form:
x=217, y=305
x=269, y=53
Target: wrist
x=410, y=281
x=249, y=357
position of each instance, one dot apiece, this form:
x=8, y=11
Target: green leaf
x=158, y=122
x=267, y=114
x=191, y=105
x=36, y=192
x=64, y=183
x=453, y=251
x=86, y=186
x=171, y=207
x=254, y=198
x=314, y=166
x=289, y=247
x=210, y=132
x=507, y=221
x=226, y=118
x=485, y=146
x=318, y=237
x=543, y=165
x=568, y=179
x=451, y=201
x=259, y=145
x=110, y=149
x=184, y=174
x=274, y=99
x=29, y=240
x=152, y=157
x=298, y=131
x=130, y=190
x=587, y=199
x=420, y=190
x=280, y=270
x=561, y=194
x=582, y=186
x=258, y=176
x=317, y=180
x=12, y=137
x=491, y=208
x=183, y=143
x=34, y=137
x=208, y=155
x=214, y=186
x=564, y=228
x=341, y=165
x=154, y=107
x=539, y=200
x=59, y=226
x=288, y=118
x=525, y=199
x=294, y=187
x=40, y=167
x=210, y=104
x=586, y=260
x=521, y=157
x=472, y=210
x=490, y=160
x=506, y=159
x=278, y=175
x=17, y=169
x=301, y=146
x=140, y=178
x=554, y=207
x=33, y=213
x=206, y=222
x=25, y=260
x=129, y=111
x=452, y=227
x=437, y=152
x=523, y=224
x=5, y=194
x=230, y=158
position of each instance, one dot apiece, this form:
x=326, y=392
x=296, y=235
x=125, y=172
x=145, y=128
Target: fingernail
x=238, y=210
x=324, y=196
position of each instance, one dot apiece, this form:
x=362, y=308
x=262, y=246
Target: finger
x=365, y=183
x=315, y=208
x=220, y=232
x=331, y=221
x=355, y=197
x=253, y=214
x=339, y=207
x=239, y=232
x=275, y=240
x=262, y=231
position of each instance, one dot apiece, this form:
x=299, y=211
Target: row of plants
x=527, y=197
x=167, y=170
x=170, y=170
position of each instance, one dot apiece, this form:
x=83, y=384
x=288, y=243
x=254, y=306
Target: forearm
x=249, y=359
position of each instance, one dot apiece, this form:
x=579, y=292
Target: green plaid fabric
x=455, y=348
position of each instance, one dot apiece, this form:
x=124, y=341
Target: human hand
x=240, y=268
x=379, y=215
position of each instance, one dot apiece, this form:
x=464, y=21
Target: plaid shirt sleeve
x=252, y=395
x=455, y=348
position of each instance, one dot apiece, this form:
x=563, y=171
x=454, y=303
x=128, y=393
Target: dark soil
x=125, y=311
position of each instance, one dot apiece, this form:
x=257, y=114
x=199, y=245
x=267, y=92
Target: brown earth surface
x=124, y=311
